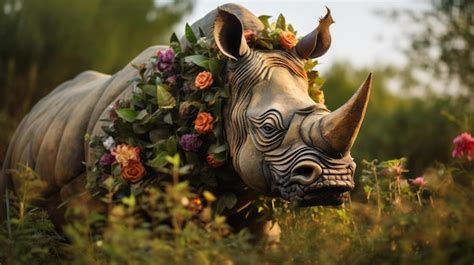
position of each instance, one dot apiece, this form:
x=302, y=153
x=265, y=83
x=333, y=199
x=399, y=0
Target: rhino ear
x=229, y=34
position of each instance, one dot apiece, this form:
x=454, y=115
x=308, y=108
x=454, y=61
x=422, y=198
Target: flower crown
x=176, y=114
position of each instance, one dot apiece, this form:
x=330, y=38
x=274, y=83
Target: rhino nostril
x=306, y=173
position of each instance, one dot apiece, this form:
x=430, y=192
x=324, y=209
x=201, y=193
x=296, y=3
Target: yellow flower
x=124, y=153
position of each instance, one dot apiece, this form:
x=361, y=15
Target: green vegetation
x=397, y=221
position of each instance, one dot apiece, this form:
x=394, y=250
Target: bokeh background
x=421, y=54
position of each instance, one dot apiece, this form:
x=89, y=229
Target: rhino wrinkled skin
x=282, y=143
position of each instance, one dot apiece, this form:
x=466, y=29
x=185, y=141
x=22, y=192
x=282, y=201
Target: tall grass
x=393, y=221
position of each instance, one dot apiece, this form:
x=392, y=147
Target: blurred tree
x=441, y=42
x=43, y=43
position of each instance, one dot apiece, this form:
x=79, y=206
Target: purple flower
x=165, y=59
x=190, y=142
x=171, y=79
x=106, y=160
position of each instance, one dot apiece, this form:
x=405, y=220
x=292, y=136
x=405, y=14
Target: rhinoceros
x=281, y=142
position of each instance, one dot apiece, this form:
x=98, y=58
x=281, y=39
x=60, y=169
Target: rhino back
x=50, y=137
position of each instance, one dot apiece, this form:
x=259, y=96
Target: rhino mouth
x=310, y=178
x=331, y=188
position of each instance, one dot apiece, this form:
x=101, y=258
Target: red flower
x=133, y=172
x=250, y=35
x=213, y=162
x=464, y=145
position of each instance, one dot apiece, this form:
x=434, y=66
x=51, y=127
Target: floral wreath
x=175, y=116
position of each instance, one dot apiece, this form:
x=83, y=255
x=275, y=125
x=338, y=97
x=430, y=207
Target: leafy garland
x=175, y=117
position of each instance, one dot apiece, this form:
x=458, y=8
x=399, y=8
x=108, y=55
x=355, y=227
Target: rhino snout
x=305, y=173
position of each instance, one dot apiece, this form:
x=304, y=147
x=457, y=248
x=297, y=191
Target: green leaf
x=159, y=160
x=174, y=38
x=116, y=170
x=142, y=114
x=218, y=149
x=164, y=98
x=171, y=145
x=264, y=19
x=214, y=67
x=199, y=60
x=281, y=23
x=149, y=90
x=226, y=200
x=127, y=114
x=188, y=32
x=168, y=118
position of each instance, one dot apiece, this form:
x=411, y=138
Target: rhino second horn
x=316, y=43
x=340, y=128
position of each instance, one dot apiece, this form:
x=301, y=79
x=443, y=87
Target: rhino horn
x=339, y=129
x=316, y=43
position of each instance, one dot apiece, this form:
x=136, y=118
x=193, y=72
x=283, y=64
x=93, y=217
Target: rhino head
x=282, y=143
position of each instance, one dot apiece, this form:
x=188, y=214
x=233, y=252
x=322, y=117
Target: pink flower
x=464, y=145
x=419, y=181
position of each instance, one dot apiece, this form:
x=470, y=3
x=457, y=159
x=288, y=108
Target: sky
x=359, y=36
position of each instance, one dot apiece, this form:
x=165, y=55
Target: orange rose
x=213, y=162
x=287, y=40
x=133, y=172
x=203, y=123
x=203, y=80
x=250, y=35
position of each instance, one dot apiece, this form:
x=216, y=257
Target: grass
x=388, y=221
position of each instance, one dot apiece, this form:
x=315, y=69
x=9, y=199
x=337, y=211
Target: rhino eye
x=268, y=130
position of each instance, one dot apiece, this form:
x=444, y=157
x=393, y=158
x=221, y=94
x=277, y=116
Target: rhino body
x=307, y=158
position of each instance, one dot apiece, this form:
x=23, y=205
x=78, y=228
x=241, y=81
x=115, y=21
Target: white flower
x=203, y=42
x=109, y=143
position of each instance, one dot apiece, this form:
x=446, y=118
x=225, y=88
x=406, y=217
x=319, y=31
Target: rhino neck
x=206, y=23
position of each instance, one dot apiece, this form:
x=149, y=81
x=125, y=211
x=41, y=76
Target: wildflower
x=190, y=142
x=106, y=160
x=287, y=40
x=195, y=205
x=133, y=171
x=109, y=143
x=165, y=59
x=203, y=123
x=464, y=145
x=419, y=181
x=203, y=43
x=171, y=79
x=125, y=153
x=213, y=162
x=203, y=80
x=250, y=35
